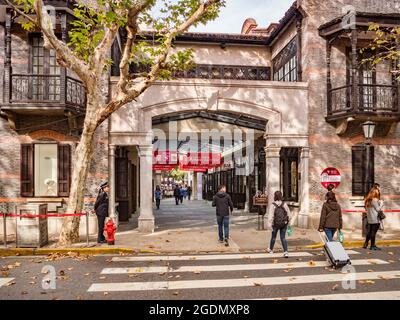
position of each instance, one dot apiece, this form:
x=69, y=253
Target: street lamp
x=369, y=130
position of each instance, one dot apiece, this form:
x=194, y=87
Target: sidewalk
x=191, y=227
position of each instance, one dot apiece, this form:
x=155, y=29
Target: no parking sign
x=330, y=176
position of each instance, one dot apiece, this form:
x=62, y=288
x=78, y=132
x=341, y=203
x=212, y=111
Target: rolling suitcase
x=336, y=254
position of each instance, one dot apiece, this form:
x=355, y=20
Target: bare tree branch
x=63, y=52
x=125, y=95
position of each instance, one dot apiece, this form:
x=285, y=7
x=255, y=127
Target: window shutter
x=64, y=169
x=358, y=170
x=27, y=170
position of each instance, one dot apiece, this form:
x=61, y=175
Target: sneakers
x=375, y=248
x=221, y=241
x=226, y=243
x=286, y=254
x=270, y=251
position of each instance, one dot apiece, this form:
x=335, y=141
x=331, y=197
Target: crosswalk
x=5, y=281
x=250, y=274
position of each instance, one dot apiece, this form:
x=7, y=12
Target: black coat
x=101, y=205
x=223, y=202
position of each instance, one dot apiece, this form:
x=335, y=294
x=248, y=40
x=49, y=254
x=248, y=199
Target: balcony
x=49, y=93
x=378, y=102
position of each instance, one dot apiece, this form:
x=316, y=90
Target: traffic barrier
x=363, y=211
x=13, y=215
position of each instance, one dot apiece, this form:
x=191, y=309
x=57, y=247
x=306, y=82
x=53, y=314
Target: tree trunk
x=81, y=161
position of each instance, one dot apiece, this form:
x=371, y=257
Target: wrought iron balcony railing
x=47, y=90
x=373, y=100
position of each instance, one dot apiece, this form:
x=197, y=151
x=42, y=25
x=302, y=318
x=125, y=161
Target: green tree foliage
x=385, y=47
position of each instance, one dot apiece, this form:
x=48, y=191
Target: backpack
x=281, y=217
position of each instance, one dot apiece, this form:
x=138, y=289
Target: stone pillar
x=304, y=215
x=111, y=167
x=272, y=170
x=146, y=217
x=194, y=187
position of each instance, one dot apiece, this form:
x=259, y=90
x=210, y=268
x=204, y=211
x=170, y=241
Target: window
x=360, y=185
x=45, y=170
x=285, y=63
x=289, y=158
x=46, y=83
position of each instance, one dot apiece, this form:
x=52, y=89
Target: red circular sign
x=330, y=176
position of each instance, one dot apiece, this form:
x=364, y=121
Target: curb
x=357, y=243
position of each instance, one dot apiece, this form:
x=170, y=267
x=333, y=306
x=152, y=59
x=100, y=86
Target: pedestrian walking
x=373, y=205
x=331, y=216
x=181, y=194
x=157, y=196
x=224, y=206
x=189, y=192
x=376, y=187
x=279, y=218
x=101, y=208
x=177, y=194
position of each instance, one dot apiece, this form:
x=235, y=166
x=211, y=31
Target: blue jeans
x=330, y=233
x=223, y=227
x=282, y=234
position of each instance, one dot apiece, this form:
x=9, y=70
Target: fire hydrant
x=110, y=230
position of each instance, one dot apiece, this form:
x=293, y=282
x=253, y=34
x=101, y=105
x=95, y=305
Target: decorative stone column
x=272, y=170
x=146, y=217
x=304, y=215
x=111, y=182
x=194, y=187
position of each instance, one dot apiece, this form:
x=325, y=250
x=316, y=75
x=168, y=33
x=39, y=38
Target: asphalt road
x=304, y=275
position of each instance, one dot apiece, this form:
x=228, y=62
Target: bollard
x=5, y=229
x=87, y=228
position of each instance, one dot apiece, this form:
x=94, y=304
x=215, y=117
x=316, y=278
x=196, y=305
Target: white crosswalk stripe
x=217, y=257
x=230, y=283
x=4, y=281
x=382, y=295
x=235, y=267
x=204, y=266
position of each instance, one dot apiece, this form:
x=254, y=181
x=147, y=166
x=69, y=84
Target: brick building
x=293, y=82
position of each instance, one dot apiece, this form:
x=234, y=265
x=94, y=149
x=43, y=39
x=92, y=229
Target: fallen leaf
x=275, y=261
x=245, y=276
x=32, y=282
x=311, y=263
x=370, y=270
x=384, y=278
x=287, y=270
x=176, y=293
x=79, y=298
x=24, y=292
x=391, y=261
x=369, y=281
x=34, y=278
x=178, y=276
x=70, y=269
x=105, y=293
x=133, y=275
x=102, y=277
x=86, y=274
x=197, y=272
x=4, y=274
x=192, y=258
x=372, y=262
x=257, y=284
x=10, y=283
x=292, y=279
x=162, y=273
x=167, y=241
x=391, y=253
x=335, y=287
x=61, y=273
x=26, y=271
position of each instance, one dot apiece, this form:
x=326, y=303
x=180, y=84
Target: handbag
x=381, y=215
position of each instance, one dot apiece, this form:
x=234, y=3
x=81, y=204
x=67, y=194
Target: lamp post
x=369, y=130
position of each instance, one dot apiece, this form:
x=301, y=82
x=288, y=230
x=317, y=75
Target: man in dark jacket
x=177, y=194
x=101, y=207
x=224, y=206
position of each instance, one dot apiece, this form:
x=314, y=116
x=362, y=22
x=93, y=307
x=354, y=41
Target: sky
x=237, y=11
